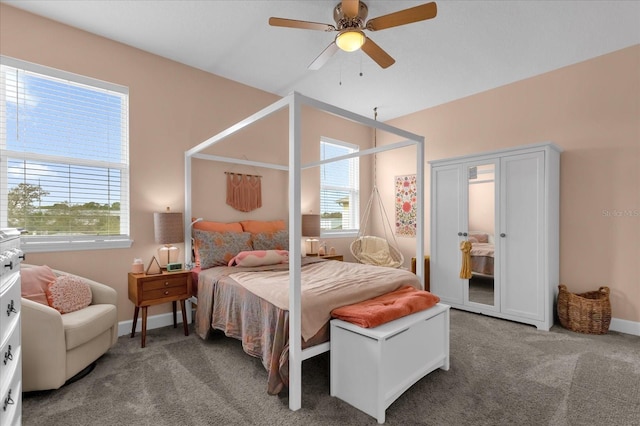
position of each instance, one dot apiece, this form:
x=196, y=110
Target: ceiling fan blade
x=350, y=8
x=324, y=57
x=402, y=17
x=305, y=25
x=376, y=53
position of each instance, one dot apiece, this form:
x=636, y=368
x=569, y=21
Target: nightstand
x=329, y=256
x=147, y=290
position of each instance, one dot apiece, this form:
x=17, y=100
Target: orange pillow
x=34, y=282
x=263, y=227
x=217, y=226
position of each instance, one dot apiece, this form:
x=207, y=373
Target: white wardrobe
x=506, y=203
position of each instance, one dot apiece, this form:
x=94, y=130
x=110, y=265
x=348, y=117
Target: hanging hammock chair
x=372, y=250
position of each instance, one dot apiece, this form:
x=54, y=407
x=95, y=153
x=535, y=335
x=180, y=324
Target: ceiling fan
x=350, y=17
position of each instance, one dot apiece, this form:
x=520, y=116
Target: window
x=339, y=189
x=64, y=158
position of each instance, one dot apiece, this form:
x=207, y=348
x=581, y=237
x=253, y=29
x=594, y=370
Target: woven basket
x=585, y=312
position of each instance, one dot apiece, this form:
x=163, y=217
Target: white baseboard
x=154, y=321
x=166, y=319
x=625, y=326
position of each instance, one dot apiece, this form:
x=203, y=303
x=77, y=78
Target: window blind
x=64, y=168
x=339, y=188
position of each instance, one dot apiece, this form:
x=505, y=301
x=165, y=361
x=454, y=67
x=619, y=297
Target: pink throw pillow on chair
x=68, y=294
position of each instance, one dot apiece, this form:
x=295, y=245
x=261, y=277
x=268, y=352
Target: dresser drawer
x=10, y=356
x=9, y=309
x=11, y=401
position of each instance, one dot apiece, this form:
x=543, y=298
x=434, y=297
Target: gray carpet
x=502, y=373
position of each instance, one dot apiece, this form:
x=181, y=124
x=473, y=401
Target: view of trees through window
x=26, y=212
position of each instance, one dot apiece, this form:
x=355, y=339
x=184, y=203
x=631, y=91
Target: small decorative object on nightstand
x=147, y=290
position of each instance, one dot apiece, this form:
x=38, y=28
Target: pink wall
x=591, y=110
x=172, y=108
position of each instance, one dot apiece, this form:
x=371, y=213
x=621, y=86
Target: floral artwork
x=406, y=206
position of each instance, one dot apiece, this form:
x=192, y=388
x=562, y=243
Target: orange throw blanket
x=379, y=310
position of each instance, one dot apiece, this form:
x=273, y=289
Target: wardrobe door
x=446, y=223
x=483, y=288
x=521, y=235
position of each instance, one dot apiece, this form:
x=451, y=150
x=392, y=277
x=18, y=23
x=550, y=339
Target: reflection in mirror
x=481, y=186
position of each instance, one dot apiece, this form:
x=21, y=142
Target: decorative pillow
x=271, y=241
x=205, y=225
x=218, y=248
x=68, y=294
x=263, y=227
x=34, y=282
x=260, y=258
x=473, y=240
x=480, y=237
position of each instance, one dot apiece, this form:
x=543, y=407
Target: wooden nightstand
x=329, y=256
x=147, y=290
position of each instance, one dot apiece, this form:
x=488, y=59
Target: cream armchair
x=56, y=347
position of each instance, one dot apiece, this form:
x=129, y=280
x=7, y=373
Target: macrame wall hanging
x=244, y=192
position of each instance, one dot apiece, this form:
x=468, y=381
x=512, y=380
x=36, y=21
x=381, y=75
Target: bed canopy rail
x=294, y=102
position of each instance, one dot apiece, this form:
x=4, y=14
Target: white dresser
x=10, y=348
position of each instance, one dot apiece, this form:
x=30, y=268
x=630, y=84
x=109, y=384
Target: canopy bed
x=293, y=300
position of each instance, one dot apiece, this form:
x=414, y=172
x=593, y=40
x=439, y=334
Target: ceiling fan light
x=350, y=40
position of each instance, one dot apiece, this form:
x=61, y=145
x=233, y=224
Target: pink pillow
x=260, y=258
x=68, y=294
x=34, y=282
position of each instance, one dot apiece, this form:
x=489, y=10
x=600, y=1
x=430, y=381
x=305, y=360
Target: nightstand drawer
x=160, y=293
x=164, y=282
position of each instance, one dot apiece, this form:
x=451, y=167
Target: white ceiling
x=470, y=47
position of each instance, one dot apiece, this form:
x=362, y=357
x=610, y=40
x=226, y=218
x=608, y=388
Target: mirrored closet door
x=481, y=226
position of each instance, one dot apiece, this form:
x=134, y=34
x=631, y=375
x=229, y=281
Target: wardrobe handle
x=460, y=234
x=503, y=235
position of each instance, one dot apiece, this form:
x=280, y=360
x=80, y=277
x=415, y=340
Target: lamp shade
x=310, y=225
x=168, y=227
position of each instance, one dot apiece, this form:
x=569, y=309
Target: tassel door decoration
x=244, y=192
x=465, y=271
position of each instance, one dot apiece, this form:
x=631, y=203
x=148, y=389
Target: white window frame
x=353, y=187
x=51, y=243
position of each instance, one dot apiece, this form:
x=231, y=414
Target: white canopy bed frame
x=294, y=102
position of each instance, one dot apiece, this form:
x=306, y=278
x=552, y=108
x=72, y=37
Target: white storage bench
x=372, y=367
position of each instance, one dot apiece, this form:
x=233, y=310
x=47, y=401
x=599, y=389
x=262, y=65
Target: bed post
x=420, y=208
x=295, y=257
x=187, y=209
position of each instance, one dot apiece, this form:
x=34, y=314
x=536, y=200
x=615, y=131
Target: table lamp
x=311, y=230
x=168, y=229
